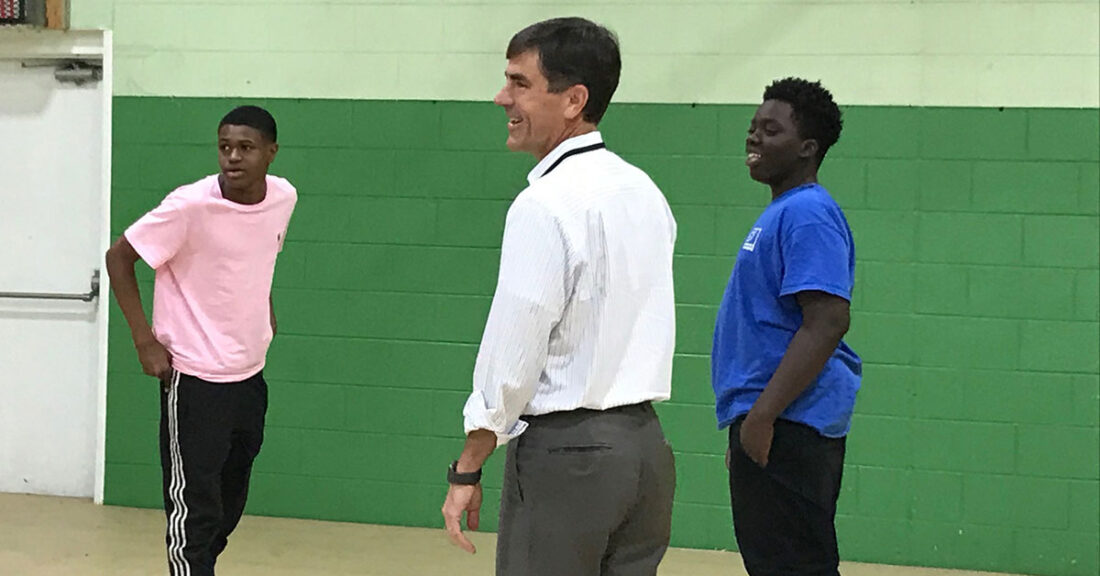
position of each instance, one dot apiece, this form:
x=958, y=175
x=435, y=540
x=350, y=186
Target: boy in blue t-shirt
x=784, y=381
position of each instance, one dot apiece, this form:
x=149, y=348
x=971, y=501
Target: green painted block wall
x=976, y=439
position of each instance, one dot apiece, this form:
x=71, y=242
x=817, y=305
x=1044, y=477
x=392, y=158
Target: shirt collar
x=573, y=143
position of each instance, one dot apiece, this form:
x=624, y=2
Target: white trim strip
x=176, y=533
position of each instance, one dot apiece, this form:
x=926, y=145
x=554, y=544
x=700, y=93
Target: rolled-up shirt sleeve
x=532, y=290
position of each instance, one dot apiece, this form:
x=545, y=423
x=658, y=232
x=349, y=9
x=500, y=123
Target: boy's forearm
x=125, y=288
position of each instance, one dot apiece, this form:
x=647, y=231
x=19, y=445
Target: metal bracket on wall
x=78, y=72
x=88, y=296
x=71, y=71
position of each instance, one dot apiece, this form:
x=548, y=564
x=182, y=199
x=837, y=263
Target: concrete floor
x=50, y=536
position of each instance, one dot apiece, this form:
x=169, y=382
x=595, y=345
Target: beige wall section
x=909, y=52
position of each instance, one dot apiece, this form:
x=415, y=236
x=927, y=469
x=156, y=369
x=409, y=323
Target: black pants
x=783, y=514
x=209, y=435
x=587, y=493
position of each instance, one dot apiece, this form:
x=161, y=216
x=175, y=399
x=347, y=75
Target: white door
x=54, y=168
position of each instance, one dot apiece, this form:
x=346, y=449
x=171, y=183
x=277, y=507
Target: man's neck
x=793, y=181
x=570, y=132
x=787, y=186
x=252, y=195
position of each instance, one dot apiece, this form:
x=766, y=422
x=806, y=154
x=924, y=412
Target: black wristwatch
x=462, y=479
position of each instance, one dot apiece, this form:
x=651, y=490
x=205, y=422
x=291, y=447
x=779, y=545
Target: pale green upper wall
x=903, y=52
x=89, y=14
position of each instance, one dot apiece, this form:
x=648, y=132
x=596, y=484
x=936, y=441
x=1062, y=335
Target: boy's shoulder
x=282, y=189
x=191, y=194
x=282, y=185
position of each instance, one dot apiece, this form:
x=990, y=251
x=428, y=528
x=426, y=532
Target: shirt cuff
x=146, y=251
x=835, y=290
x=478, y=417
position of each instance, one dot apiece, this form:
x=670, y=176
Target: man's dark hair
x=574, y=51
x=253, y=117
x=815, y=113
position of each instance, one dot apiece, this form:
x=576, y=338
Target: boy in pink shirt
x=213, y=245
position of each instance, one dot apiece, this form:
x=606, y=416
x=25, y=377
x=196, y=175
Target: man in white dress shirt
x=580, y=336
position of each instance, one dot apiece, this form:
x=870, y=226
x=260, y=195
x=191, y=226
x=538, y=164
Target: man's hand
x=462, y=499
x=756, y=438
x=155, y=359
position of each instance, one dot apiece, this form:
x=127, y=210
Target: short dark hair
x=815, y=113
x=574, y=51
x=253, y=117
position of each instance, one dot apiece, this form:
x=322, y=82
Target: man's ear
x=808, y=149
x=577, y=99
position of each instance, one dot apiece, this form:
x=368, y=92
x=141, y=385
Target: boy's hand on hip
x=155, y=359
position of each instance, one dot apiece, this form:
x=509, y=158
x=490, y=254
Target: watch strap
x=462, y=478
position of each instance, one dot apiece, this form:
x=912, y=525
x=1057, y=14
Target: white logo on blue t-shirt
x=750, y=240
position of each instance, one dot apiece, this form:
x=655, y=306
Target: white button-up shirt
x=583, y=315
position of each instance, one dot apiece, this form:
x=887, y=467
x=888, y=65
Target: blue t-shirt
x=801, y=242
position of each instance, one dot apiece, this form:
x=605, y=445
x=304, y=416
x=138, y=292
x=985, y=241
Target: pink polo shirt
x=214, y=262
